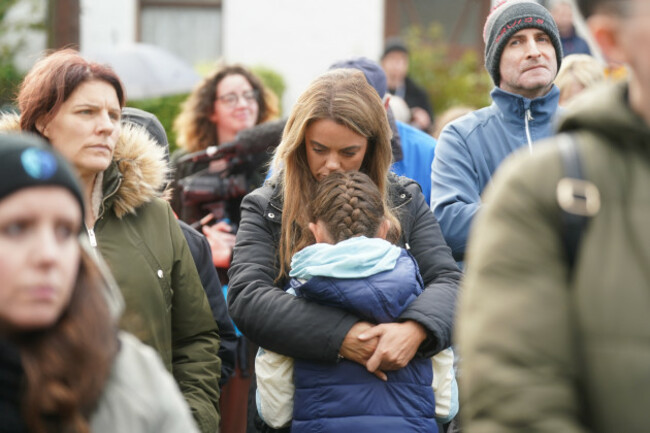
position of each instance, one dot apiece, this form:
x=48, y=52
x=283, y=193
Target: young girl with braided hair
x=354, y=266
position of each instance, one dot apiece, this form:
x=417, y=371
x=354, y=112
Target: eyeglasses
x=230, y=100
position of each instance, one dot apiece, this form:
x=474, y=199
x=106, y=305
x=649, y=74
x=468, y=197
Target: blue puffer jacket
x=342, y=396
x=470, y=149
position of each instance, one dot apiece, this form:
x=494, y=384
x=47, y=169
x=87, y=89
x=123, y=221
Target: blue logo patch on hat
x=38, y=163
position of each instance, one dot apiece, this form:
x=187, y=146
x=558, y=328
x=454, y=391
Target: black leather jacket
x=295, y=327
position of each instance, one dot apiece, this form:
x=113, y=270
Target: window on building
x=190, y=29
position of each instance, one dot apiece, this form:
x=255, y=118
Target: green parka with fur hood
x=544, y=349
x=138, y=236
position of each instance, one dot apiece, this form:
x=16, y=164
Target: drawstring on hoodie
x=528, y=117
x=91, y=237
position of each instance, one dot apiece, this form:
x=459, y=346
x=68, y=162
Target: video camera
x=215, y=180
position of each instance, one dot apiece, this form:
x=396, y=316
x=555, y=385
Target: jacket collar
x=398, y=194
x=514, y=106
x=136, y=175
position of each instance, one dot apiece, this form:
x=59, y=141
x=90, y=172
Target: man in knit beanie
x=509, y=18
x=522, y=55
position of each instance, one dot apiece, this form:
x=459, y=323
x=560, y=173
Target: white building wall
x=297, y=38
x=106, y=23
x=300, y=39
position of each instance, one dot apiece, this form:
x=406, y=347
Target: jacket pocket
x=161, y=274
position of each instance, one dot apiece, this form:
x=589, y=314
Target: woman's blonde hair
x=582, y=69
x=447, y=116
x=345, y=97
x=194, y=128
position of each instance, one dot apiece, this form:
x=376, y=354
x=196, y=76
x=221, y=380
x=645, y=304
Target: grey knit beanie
x=506, y=19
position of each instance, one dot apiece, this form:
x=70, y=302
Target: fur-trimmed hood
x=138, y=161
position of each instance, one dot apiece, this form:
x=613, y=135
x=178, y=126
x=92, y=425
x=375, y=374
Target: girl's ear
x=321, y=235
x=313, y=229
x=382, y=231
x=317, y=230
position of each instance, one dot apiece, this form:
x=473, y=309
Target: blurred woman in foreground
x=63, y=364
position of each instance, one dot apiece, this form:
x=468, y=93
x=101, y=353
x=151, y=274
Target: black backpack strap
x=578, y=198
x=579, y=201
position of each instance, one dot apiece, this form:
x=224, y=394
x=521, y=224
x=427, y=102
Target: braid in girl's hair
x=349, y=203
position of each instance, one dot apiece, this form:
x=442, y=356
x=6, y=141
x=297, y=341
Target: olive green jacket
x=541, y=350
x=140, y=239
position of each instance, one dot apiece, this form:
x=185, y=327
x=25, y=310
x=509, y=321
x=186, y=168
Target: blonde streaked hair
x=582, y=69
x=345, y=97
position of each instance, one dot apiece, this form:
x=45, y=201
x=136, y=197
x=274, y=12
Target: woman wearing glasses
x=228, y=101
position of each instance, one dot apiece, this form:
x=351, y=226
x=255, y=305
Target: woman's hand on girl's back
x=357, y=350
x=397, y=344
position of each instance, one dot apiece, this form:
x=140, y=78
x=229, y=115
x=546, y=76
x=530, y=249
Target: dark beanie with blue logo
x=28, y=161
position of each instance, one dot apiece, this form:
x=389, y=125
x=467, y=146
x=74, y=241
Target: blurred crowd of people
x=360, y=264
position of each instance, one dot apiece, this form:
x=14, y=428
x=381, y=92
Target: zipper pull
x=529, y=116
x=92, y=238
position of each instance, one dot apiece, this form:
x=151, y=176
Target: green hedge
x=448, y=80
x=272, y=80
x=10, y=79
x=166, y=109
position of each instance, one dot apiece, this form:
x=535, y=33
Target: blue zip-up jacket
x=417, y=155
x=574, y=44
x=471, y=148
x=342, y=396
